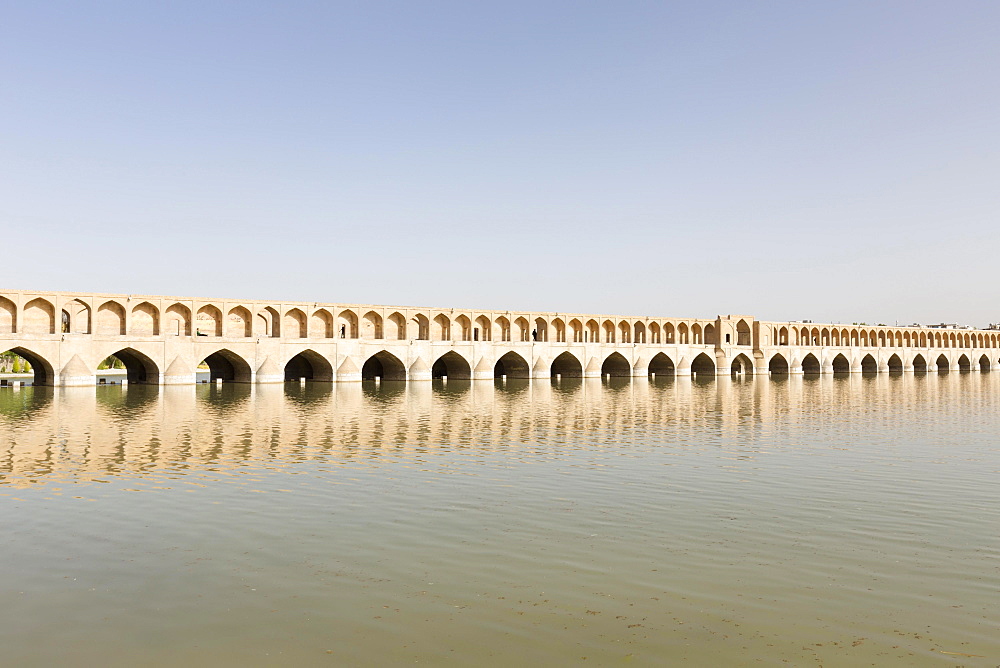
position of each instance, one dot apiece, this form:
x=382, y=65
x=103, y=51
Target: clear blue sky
x=836, y=161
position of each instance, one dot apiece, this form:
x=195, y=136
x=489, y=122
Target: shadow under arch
x=984, y=364
x=229, y=367
x=140, y=368
x=511, y=365
x=869, y=365
x=778, y=365
x=841, y=365
x=453, y=366
x=703, y=366
x=43, y=373
x=895, y=364
x=310, y=365
x=122, y=402
x=943, y=365
x=810, y=365
x=566, y=365
x=741, y=366
x=616, y=366
x=383, y=365
x=919, y=364
x=661, y=365
x=964, y=365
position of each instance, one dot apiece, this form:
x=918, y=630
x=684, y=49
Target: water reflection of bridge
x=53, y=434
x=162, y=340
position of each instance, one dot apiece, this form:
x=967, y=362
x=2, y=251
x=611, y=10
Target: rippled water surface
x=828, y=521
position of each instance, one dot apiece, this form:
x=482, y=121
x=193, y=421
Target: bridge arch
x=566, y=365
x=511, y=365
x=452, y=365
x=841, y=365
x=811, y=365
x=919, y=364
x=777, y=365
x=140, y=368
x=869, y=365
x=964, y=365
x=227, y=366
x=702, y=365
x=984, y=364
x=310, y=365
x=41, y=369
x=943, y=365
x=661, y=365
x=384, y=366
x=895, y=364
x=741, y=366
x=616, y=365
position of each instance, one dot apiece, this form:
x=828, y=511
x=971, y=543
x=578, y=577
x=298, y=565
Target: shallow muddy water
x=800, y=521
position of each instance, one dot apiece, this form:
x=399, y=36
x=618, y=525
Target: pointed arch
x=576, y=330
x=566, y=365
x=654, y=333
x=347, y=324
x=395, y=327
x=8, y=316
x=78, y=313
x=869, y=365
x=321, y=324
x=541, y=330
x=511, y=365
x=111, y=319
x=503, y=324
x=442, y=328
x=464, y=327
x=239, y=322
x=741, y=366
x=140, y=368
x=385, y=366
x=616, y=365
x=422, y=325
x=943, y=365
x=609, y=331
x=625, y=332
x=453, y=366
x=268, y=322
x=661, y=365
x=295, y=325
x=177, y=320
x=811, y=365
x=895, y=364
x=919, y=364
x=145, y=320
x=984, y=364
x=778, y=365
x=523, y=331
x=42, y=370
x=702, y=365
x=682, y=333
x=593, y=332
x=559, y=330
x=227, y=366
x=483, y=331
x=964, y=365
x=371, y=326
x=841, y=365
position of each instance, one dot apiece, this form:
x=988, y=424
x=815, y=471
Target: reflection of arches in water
x=778, y=365
x=42, y=372
x=384, y=366
x=511, y=365
x=942, y=364
x=127, y=403
x=741, y=366
x=661, y=365
x=227, y=366
x=14, y=405
x=453, y=366
x=703, y=366
x=309, y=365
x=895, y=364
x=567, y=365
x=919, y=364
x=616, y=365
x=869, y=365
x=140, y=368
x=810, y=365
x=841, y=365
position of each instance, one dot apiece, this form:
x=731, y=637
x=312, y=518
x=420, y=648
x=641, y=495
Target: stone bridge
x=164, y=340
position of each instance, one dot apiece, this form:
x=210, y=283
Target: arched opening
x=964, y=365
x=741, y=366
x=742, y=333
x=566, y=365
x=841, y=365
x=139, y=369
x=943, y=365
x=145, y=320
x=110, y=319
x=511, y=365
x=453, y=366
x=703, y=365
x=76, y=318
x=616, y=365
x=321, y=324
x=383, y=365
x=227, y=366
x=8, y=316
x=239, y=322
x=810, y=365
x=177, y=321
x=295, y=325
x=778, y=366
x=984, y=364
x=309, y=365
x=919, y=364
x=869, y=365
x=661, y=365
x=895, y=364
x=39, y=317
x=23, y=361
x=208, y=321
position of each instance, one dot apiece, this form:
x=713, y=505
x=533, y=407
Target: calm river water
x=827, y=521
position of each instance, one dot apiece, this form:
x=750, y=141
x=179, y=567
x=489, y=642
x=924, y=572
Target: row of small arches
x=883, y=338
